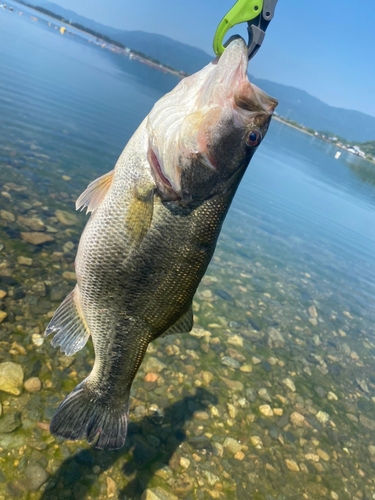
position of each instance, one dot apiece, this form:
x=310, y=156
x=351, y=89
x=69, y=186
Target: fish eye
x=253, y=138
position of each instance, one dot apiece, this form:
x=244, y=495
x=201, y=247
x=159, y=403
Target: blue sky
x=326, y=48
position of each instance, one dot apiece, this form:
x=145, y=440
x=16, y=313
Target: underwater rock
x=33, y=223
x=232, y=445
x=35, y=476
x=11, y=378
x=33, y=384
x=153, y=365
x=66, y=218
x=7, y=216
x=3, y=315
x=10, y=422
x=37, y=238
x=275, y=339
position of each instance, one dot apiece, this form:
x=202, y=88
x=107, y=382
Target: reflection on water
x=272, y=394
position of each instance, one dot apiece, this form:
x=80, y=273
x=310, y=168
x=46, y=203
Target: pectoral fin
x=95, y=192
x=182, y=325
x=140, y=211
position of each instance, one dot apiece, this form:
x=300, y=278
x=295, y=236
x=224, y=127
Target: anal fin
x=182, y=325
x=95, y=192
x=68, y=325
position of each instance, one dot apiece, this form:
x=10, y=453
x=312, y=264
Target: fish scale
x=153, y=229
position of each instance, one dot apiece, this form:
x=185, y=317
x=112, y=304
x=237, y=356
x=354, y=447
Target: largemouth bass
x=153, y=230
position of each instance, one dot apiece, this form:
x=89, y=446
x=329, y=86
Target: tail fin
x=80, y=415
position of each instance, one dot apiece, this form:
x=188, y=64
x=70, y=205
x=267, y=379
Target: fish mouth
x=179, y=124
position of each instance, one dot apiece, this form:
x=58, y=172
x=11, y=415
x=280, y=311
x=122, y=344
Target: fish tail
x=83, y=415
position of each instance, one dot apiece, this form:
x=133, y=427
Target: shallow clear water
x=284, y=316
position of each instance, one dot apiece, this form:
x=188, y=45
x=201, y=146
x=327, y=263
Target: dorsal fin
x=94, y=193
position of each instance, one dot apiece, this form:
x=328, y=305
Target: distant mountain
x=176, y=54
x=294, y=103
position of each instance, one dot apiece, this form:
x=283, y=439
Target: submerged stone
x=37, y=238
x=66, y=218
x=11, y=378
x=35, y=476
x=275, y=339
x=10, y=422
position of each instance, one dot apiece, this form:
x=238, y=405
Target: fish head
x=207, y=128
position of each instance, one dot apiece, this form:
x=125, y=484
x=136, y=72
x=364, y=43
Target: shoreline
x=281, y=120
x=107, y=45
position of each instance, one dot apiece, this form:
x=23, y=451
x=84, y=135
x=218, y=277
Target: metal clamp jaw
x=256, y=28
x=257, y=14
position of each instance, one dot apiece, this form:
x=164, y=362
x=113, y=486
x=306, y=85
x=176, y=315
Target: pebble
x=11, y=378
x=255, y=360
x=66, y=178
x=25, y=261
x=322, y=416
x=312, y=457
x=266, y=410
x=323, y=454
x=2, y=294
x=292, y=465
x=256, y=442
x=246, y=368
x=33, y=384
x=263, y=394
x=235, y=340
x=37, y=339
x=183, y=485
x=362, y=384
x=366, y=422
x=111, y=488
x=312, y=311
x=8, y=216
x=184, y=462
x=232, y=410
x=278, y=411
x=334, y=495
x=36, y=238
x=207, y=377
x=69, y=276
x=34, y=223
x=240, y=455
x=289, y=384
x=228, y=361
x=153, y=365
x=66, y=218
x=36, y=476
x=232, y=445
x=157, y=494
x=3, y=315
x=201, y=415
x=234, y=385
x=206, y=294
x=151, y=377
x=275, y=339
x=331, y=396
x=10, y=422
x=68, y=247
x=297, y=419
x=212, y=479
